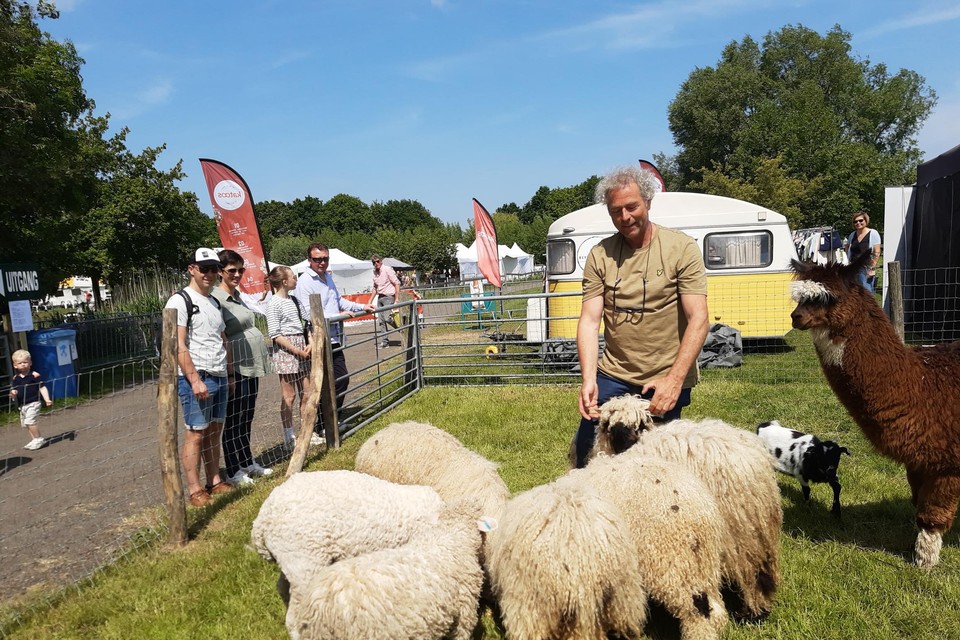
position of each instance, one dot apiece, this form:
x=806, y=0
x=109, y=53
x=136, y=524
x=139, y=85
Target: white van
x=746, y=250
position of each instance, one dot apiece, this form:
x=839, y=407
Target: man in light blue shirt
x=317, y=280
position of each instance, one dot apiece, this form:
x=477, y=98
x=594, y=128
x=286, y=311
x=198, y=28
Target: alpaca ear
x=852, y=270
x=800, y=268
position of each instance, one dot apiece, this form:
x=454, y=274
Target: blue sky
x=442, y=101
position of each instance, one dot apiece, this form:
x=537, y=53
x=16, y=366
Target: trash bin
x=54, y=352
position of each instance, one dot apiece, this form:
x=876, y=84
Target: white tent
x=350, y=274
x=514, y=261
x=467, y=261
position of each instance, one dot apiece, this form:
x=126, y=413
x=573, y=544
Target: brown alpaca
x=905, y=400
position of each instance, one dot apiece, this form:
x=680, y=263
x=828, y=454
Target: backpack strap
x=193, y=309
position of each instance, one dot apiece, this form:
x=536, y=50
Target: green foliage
x=137, y=216
x=834, y=120
x=766, y=183
x=289, y=249
x=554, y=203
x=44, y=177
x=402, y=214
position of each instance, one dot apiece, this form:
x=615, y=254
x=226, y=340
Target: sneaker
x=254, y=470
x=384, y=345
x=34, y=444
x=316, y=440
x=240, y=478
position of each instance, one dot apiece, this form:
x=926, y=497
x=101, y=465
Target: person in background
x=387, y=287
x=26, y=389
x=648, y=284
x=319, y=281
x=205, y=368
x=250, y=358
x=291, y=353
x=863, y=240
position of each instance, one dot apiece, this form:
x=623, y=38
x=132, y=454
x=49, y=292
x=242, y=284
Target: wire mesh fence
x=92, y=494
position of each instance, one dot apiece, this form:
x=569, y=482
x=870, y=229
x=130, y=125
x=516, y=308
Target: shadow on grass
x=886, y=526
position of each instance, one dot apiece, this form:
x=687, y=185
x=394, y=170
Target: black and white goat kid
x=805, y=457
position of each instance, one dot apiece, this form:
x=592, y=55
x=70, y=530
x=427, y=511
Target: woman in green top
x=250, y=363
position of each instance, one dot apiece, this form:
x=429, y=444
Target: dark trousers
x=236, y=428
x=341, y=377
x=607, y=388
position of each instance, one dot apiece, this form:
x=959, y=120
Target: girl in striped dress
x=291, y=354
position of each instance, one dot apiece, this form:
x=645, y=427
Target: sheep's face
x=621, y=422
x=821, y=461
x=825, y=294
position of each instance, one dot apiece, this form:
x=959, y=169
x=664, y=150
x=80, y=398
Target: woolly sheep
x=735, y=466
x=562, y=565
x=805, y=457
x=419, y=453
x=676, y=529
x=316, y=518
x=426, y=589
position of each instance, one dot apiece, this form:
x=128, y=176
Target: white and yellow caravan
x=746, y=249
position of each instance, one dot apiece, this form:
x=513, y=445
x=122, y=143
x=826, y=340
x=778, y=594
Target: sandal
x=220, y=487
x=200, y=498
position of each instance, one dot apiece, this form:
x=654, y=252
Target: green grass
x=846, y=579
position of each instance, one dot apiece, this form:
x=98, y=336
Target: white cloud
x=916, y=17
x=155, y=94
x=440, y=4
x=646, y=26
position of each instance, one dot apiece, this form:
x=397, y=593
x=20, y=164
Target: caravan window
x=749, y=249
x=561, y=257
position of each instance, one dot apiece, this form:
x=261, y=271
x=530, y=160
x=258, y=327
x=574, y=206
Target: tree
x=44, y=178
x=347, y=213
x=831, y=119
x=768, y=184
x=137, y=217
x=402, y=215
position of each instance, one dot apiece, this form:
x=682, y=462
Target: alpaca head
x=622, y=420
x=828, y=296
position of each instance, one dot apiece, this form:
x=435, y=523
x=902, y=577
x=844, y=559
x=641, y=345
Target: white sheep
x=676, y=528
x=426, y=589
x=316, y=518
x=562, y=565
x=419, y=453
x=734, y=464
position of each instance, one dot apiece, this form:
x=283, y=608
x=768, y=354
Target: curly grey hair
x=622, y=177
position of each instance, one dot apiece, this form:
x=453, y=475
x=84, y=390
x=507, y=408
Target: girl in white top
x=291, y=354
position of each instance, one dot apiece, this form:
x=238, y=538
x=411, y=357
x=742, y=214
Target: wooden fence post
x=895, y=290
x=328, y=392
x=167, y=405
x=321, y=375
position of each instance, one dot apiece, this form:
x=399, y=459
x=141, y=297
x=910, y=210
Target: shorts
x=197, y=414
x=29, y=413
x=285, y=362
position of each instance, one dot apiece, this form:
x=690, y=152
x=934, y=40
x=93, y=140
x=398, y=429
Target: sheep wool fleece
x=544, y=590
x=676, y=530
x=427, y=589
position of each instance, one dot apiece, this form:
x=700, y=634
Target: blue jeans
x=197, y=414
x=864, y=281
x=607, y=388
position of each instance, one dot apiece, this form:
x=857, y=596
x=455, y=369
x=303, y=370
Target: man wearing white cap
x=203, y=364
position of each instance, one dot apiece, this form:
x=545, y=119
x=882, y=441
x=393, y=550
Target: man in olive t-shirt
x=648, y=285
